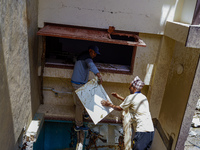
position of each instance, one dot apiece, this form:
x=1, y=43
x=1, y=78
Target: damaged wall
x=19, y=41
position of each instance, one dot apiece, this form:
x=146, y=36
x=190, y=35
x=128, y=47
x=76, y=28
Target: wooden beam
x=89, y=34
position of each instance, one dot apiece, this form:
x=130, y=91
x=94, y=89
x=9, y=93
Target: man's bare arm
x=117, y=96
x=107, y=103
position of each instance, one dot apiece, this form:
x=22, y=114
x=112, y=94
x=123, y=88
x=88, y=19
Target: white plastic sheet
x=91, y=95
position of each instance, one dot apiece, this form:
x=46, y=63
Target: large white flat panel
x=91, y=95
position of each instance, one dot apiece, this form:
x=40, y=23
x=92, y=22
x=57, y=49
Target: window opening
x=64, y=43
x=62, y=52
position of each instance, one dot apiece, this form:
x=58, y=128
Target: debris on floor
x=195, y=122
x=193, y=139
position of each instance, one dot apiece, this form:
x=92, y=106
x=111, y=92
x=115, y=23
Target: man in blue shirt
x=80, y=75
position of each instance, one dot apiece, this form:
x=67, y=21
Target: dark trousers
x=143, y=140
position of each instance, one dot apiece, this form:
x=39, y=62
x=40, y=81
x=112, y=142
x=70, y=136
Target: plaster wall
x=188, y=11
x=144, y=56
x=32, y=18
x=128, y=15
x=179, y=82
x=160, y=74
x=18, y=41
x=184, y=11
x=7, y=139
x=62, y=104
x=157, y=142
x=177, y=31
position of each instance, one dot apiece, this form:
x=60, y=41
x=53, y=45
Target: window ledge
x=110, y=68
x=54, y=72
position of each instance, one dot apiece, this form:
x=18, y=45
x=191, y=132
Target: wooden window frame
x=91, y=34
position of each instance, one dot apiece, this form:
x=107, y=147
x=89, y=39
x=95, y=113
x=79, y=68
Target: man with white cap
x=138, y=106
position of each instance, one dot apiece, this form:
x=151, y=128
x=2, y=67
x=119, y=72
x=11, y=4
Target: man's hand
x=105, y=103
x=117, y=96
x=99, y=78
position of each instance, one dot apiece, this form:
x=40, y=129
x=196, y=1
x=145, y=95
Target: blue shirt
x=83, y=65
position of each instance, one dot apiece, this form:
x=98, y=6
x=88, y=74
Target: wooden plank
x=89, y=34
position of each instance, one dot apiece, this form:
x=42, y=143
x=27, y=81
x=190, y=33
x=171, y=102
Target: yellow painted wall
x=60, y=78
x=178, y=89
x=55, y=101
x=160, y=73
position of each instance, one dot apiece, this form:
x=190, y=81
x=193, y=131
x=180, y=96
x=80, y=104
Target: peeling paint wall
x=19, y=85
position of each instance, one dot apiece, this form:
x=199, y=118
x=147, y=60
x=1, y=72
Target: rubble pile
x=193, y=140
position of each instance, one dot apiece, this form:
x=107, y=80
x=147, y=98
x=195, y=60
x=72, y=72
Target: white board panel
x=91, y=95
